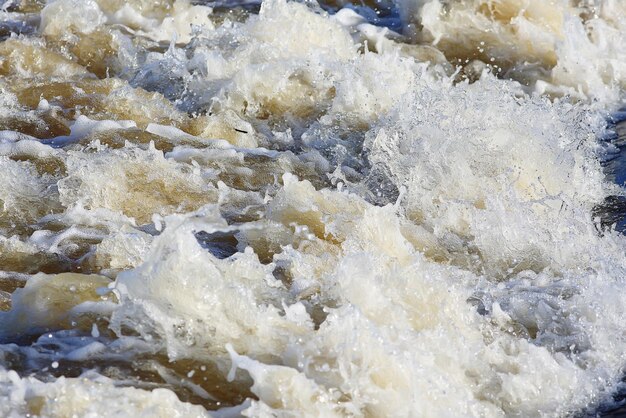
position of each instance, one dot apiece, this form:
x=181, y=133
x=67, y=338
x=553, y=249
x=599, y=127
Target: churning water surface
x=377, y=208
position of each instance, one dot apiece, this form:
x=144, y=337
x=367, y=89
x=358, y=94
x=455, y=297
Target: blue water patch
x=613, y=210
x=383, y=13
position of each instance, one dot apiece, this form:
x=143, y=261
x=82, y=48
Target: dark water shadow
x=613, y=212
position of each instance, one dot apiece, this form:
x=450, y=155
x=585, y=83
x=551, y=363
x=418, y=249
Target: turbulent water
x=288, y=209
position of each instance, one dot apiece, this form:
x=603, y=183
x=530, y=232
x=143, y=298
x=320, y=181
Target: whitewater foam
x=297, y=212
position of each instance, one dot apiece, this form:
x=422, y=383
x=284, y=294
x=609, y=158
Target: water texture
x=281, y=209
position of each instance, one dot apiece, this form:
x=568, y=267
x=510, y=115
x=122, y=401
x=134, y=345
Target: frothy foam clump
x=87, y=396
x=562, y=47
x=287, y=68
x=167, y=22
x=527, y=180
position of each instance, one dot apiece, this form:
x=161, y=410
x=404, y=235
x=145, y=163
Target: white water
x=311, y=215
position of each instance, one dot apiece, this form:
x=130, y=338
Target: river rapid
x=293, y=209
